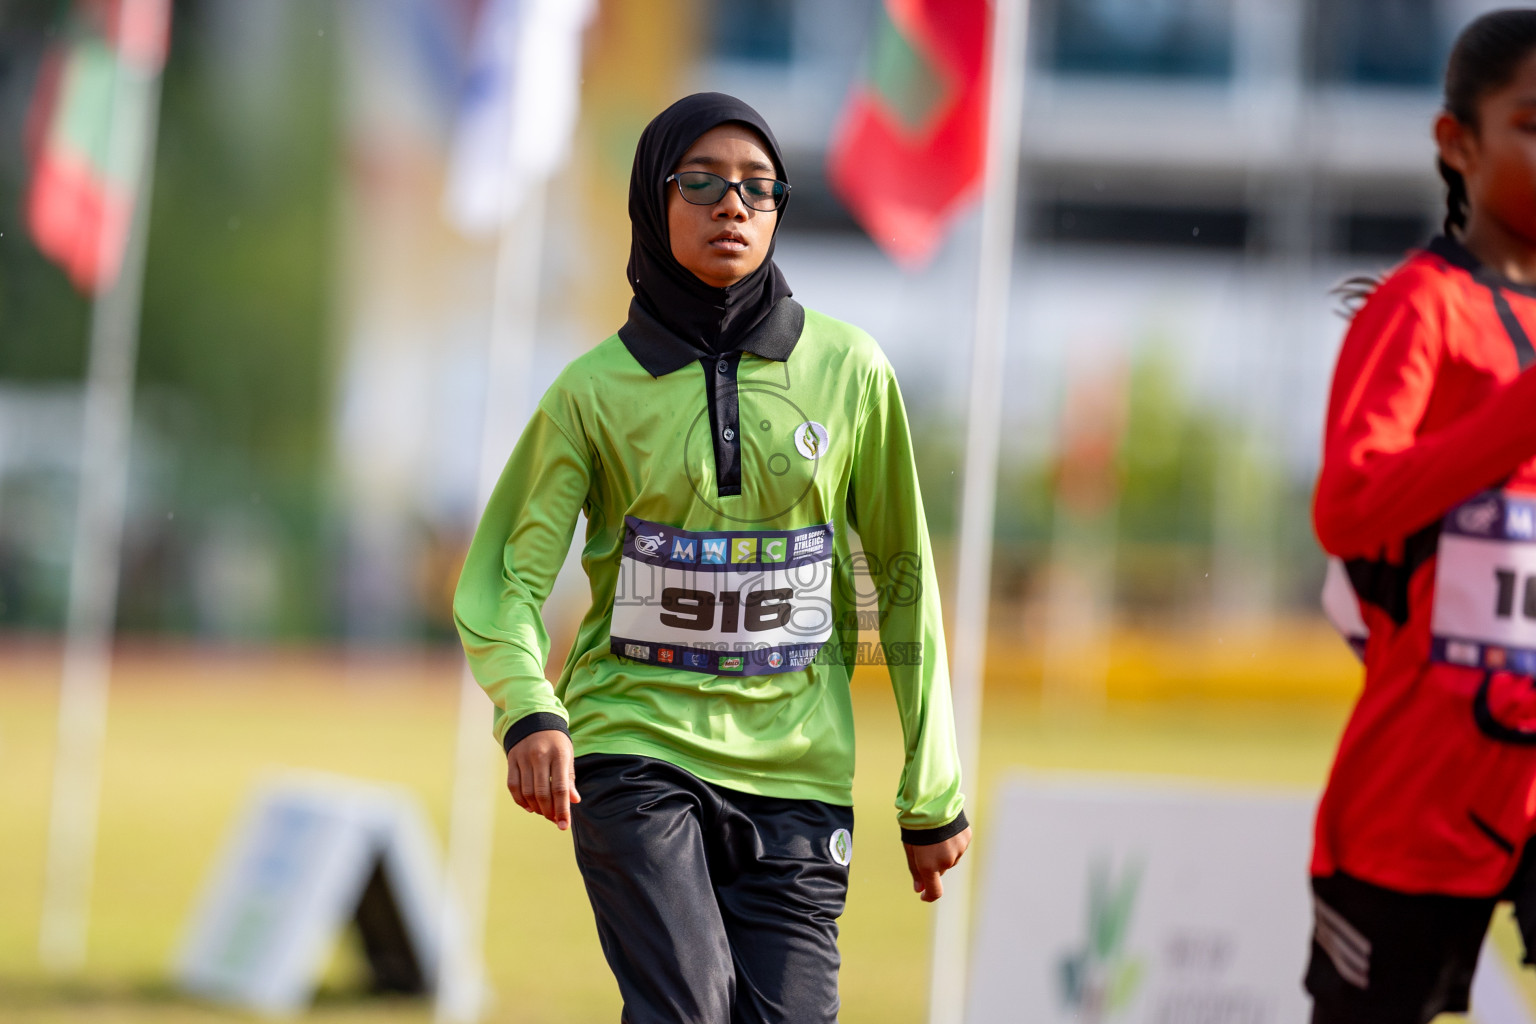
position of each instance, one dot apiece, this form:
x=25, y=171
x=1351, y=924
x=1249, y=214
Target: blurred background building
x=1197, y=174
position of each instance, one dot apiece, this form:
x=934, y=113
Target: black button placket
x=724, y=414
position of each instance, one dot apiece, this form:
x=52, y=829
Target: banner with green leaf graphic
x=1101, y=976
x=1111, y=901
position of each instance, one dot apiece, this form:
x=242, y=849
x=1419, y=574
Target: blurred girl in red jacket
x=1427, y=500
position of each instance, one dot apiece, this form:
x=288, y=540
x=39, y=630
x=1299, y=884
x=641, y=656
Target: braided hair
x=1485, y=58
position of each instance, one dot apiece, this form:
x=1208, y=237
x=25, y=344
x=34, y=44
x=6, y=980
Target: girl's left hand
x=927, y=863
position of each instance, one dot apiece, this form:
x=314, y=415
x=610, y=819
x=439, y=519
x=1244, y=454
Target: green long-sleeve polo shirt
x=666, y=447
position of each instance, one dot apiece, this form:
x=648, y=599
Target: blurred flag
x=518, y=108
x=637, y=62
x=79, y=203
x=910, y=148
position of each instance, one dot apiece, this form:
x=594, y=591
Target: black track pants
x=713, y=906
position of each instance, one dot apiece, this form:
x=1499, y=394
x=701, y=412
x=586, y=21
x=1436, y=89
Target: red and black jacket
x=1433, y=788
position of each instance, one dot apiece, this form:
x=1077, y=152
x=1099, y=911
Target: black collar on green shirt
x=661, y=352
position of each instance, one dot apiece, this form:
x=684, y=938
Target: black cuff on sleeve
x=933, y=836
x=530, y=724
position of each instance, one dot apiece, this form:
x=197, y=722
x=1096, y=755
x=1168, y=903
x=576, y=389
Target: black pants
x=713, y=906
x=1386, y=957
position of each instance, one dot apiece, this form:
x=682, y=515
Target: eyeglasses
x=701, y=188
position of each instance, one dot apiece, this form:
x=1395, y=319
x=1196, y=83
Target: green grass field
x=191, y=731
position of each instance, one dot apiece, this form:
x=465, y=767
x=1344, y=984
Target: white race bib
x=725, y=602
x=1342, y=607
x=1485, y=585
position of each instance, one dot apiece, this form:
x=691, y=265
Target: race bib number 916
x=723, y=602
x=1485, y=585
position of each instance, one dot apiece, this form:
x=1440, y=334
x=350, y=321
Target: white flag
x=518, y=108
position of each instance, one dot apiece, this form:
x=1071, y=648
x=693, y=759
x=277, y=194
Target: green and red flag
x=911, y=146
x=79, y=202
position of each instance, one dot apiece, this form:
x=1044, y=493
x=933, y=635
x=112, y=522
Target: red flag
x=80, y=200
x=911, y=147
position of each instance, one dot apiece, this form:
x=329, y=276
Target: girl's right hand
x=541, y=775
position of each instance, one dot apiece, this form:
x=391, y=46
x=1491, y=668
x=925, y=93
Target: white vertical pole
x=514, y=318
x=1005, y=114
x=97, y=551
x=542, y=70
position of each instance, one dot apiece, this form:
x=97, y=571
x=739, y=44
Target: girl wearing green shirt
x=724, y=443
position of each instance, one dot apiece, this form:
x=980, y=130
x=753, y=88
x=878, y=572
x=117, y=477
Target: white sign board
x=1131, y=902
x=1109, y=901
x=311, y=855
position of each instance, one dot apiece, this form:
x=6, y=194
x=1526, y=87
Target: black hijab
x=709, y=318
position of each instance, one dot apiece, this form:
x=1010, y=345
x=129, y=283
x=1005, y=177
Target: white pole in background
x=516, y=131
x=97, y=550
x=1005, y=113
x=477, y=770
